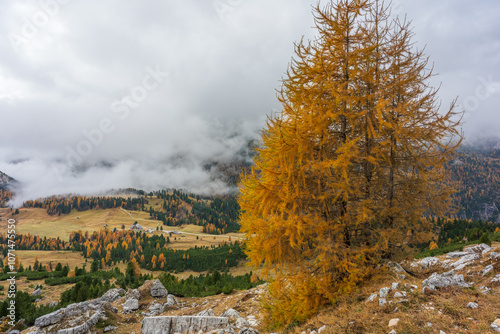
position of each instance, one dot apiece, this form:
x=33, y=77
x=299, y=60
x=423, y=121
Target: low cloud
x=99, y=95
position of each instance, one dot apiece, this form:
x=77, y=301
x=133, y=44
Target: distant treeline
x=476, y=172
x=57, y=205
x=151, y=251
x=454, y=230
x=217, y=215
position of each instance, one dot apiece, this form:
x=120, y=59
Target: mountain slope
x=6, y=181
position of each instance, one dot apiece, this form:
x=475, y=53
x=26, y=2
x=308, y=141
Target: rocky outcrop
x=49, y=319
x=182, y=324
x=83, y=328
x=133, y=293
x=112, y=295
x=248, y=331
x=464, y=261
x=158, y=290
x=426, y=263
x=478, y=249
x=86, y=313
x=206, y=313
x=454, y=255
x=231, y=313
x=130, y=305
x=156, y=308
x=444, y=280
x=37, y=292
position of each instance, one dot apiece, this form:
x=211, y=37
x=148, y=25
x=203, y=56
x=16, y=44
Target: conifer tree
x=352, y=163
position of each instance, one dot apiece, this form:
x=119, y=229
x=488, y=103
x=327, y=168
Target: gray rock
x=394, y=286
x=393, y=332
x=372, y=297
x=248, y=331
x=494, y=255
x=252, y=321
x=156, y=308
x=228, y=330
x=37, y=293
x=231, y=313
x=484, y=290
x=427, y=262
x=133, y=293
x=487, y=269
x=384, y=292
x=398, y=295
x=158, y=290
x=109, y=329
x=496, y=325
x=13, y=331
x=182, y=324
x=52, y=304
x=241, y=322
x=396, y=267
x=382, y=301
x=49, y=319
x=130, y=305
x=402, y=276
x=206, y=313
x=171, y=301
x=112, y=295
x=496, y=279
x=465, y=261
x=444, y=280
x=83, y=328
x=478, y=249
x=321, y=329
x=472, y=305
x=453, y=255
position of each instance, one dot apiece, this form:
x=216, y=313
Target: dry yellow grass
x=38, y=222
x=446, y=309
x=50, y=293
x=73, y=259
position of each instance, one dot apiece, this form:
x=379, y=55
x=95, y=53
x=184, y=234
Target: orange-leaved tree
x=347, y=170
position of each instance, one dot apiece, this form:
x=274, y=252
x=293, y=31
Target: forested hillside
x=217, y=214
x=5, y=183
x=477, y=172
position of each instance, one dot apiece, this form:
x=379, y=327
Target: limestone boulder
x=231, y=313
x=112, y=295
x=158, y=290
x=444, y=280
x=182, y=324
x=130, y=305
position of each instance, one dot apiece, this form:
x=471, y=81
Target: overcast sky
x=141, y=92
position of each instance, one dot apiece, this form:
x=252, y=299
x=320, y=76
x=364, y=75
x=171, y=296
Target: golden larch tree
x=348, y=169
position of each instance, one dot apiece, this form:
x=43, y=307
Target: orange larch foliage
x=350, y=166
